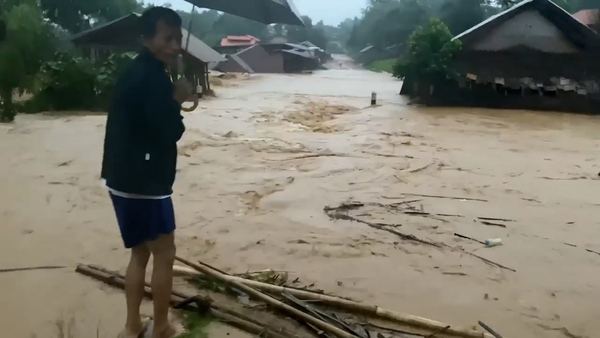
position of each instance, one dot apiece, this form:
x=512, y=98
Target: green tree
x=430, y=53
x=389, y=22
x=77, y=16
x=27, y=43
x=461, y=15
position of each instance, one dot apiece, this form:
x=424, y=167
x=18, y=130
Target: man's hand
x=183, y=91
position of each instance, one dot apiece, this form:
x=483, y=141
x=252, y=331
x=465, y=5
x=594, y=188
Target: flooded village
x=462, y=203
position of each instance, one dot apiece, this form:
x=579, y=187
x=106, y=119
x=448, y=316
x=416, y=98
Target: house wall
x=230, y=66
x=529, y=64
x=296, y=64
x=262, y=61
x=258, y=59
x=450, y=94
x=528, y=29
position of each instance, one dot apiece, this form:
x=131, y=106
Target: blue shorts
x=143, y=220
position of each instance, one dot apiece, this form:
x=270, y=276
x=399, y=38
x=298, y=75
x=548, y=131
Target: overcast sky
x=331, y=12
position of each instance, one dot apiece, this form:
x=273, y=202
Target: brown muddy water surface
x=251, y=190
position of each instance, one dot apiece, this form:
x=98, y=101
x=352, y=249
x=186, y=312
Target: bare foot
x=136, y=332
x=170, y=331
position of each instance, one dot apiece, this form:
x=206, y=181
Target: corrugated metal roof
x=239, y=40
x=126, y=20
x=198, y=49
x=242, y=63
x=491, y=18
x=366, y=49
x=308, y=44
x=572, y=27
x=297, y=46
x=301, y=53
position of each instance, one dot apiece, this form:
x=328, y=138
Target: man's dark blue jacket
x=143, y=127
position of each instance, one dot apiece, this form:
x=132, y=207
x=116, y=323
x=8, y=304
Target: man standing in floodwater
x=140, y=155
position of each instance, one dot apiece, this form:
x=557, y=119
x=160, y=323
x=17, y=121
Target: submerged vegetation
x=196, y=325
x=386, y=65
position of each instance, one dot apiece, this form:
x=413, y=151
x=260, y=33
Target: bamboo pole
x=339, y=303
x=224, y=315
x=270, y=300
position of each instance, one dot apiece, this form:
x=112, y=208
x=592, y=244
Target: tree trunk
x=8, y=111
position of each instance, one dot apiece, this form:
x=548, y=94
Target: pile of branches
x=321, y=314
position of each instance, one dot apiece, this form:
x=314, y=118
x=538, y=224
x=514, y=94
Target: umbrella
x=264, y=11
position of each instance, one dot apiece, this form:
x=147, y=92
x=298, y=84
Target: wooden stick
x=490, y=262
x=489, y=329
x=224, y=315
x=438, y=332
x=50, y=267
x=469, y=238
x=496, y=219
x=180, y=298
x=338, y=213
x=269, y=300
x=493, y=224
x=445, y=197
x=345, y=304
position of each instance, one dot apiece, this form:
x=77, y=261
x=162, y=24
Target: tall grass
x=380, y=66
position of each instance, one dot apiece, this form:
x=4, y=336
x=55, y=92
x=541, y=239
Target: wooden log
x=227, y=316
x=338, y=302
x=270, y=300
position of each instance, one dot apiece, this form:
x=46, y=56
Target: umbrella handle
x=180, y=65
x=181, y=72
x=193, y=107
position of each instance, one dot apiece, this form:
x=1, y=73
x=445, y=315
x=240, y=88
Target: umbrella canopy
x=264, y=11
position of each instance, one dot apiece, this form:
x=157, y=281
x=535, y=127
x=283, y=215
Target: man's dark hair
x=153, y=15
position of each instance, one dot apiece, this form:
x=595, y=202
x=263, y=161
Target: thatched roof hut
x=123, y=35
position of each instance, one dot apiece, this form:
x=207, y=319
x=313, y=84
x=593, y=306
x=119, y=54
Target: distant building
x=534, y=55
x=266, y=59
x=254, y=59
x=236, y=43
x=122, y=35
x=239, y=41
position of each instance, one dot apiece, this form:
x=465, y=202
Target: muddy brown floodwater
x=258, y=164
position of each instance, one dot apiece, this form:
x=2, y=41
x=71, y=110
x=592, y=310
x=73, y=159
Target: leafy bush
x=107, y=74
x=386, y=65
x=69, y=83
x=430, y=54
x=26, y=45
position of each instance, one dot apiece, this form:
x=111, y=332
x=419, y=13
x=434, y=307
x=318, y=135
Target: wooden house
x=534, y=55
x=123, y=35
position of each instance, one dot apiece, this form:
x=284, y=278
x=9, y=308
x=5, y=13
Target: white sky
x=331, y=12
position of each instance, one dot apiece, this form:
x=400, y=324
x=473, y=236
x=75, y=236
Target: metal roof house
x=534, y=55
x=254, y=59
x=589, y=17
x=122, y=35
x=239, y=40
x=270, y=59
